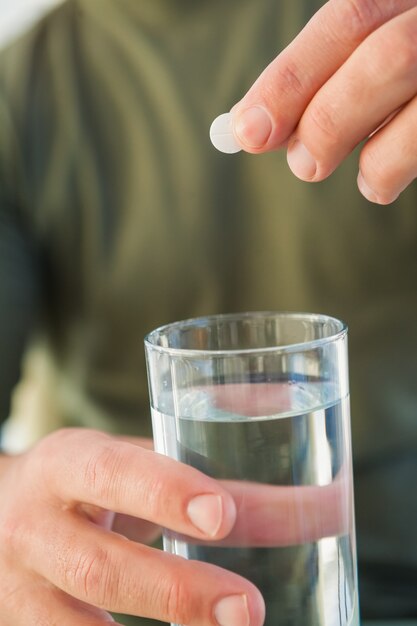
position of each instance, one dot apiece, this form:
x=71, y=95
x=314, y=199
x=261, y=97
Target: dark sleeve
x=18, y=303
x=19, y=275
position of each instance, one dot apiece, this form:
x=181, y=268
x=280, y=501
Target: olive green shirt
x=117, y=215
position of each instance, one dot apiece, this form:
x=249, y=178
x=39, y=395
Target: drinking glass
x=260, y=402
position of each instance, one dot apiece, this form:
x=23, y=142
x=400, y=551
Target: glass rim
x=302, y=346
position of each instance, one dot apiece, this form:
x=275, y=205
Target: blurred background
x=18, y=15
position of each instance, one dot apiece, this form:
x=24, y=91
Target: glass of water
x=260, y=401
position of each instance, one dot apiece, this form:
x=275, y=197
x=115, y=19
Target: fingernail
x=253, y=127
x=300, y=161
x=365, y=189
x=206, y=513
x=232, y=611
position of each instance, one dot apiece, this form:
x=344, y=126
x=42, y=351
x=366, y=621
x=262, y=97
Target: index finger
x=268, y=114
x=91, y=467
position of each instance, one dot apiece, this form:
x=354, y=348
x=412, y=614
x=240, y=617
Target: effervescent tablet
x=221, y=134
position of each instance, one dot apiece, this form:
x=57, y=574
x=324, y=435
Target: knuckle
x=324, y=121
x=101, y=473
x=44, y=451
x=289, y=80
x=53, y=441
x=88, y=573
x=155, y=494
x=177, y=603
x=48, y=453
x=358, y=17
x=399, y=50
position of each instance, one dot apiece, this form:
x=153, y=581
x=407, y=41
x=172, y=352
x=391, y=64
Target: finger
x=388, y=162
x=33, y=601
x=377, y=79
x=128, y=479
x=269, y=515
x=117, y=575
x=268, y=114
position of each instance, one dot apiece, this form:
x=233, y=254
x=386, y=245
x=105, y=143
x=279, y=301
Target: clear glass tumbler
x=260, y=401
